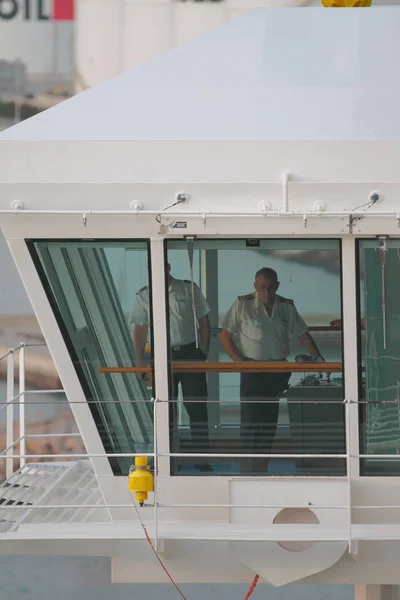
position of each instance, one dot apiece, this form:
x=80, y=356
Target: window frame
x=230, y=238
x=93, y=407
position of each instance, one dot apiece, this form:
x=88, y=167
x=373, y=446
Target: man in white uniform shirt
x=257, y=328
x=183, y=347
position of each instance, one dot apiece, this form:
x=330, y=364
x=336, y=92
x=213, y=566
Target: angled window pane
x=91, y=286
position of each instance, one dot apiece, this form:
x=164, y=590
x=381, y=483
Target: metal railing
x=18, y=400
x=158, y=505
x=22, y=456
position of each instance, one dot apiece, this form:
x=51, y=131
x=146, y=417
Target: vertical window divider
x=350, y=346
x=160, y=354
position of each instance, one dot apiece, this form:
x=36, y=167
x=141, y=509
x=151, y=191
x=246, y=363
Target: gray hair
x=268, y=274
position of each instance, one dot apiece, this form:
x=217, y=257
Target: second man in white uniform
x=183, y=347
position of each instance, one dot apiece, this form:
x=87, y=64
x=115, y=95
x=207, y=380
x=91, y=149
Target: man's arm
x=229, y=346
x=139, y=342
x=337, y=323
x=204, y=333
x=309, y=344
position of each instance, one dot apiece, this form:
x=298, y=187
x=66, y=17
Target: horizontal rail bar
x=379, y=456
x=236, y=367
x=178, y=455
x=103, y=506
x=5, y=355
x=81, y=455
x=10, y=446
x=311, y=328
x=244, y=455
x=66, y=401
x=317, y=506
x=310, y=505
x=241, y=506
x=209, y=455
x=58, y=391
x=22, y=345
x=51, y=435
x=228, y=403
x=61, y=506
x=383, y=507
x=15, y=398
x=224, y=403
x=35, y=345
x=197, y=214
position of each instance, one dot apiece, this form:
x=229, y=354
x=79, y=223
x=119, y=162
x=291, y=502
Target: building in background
x=112, y=36
x=71, y=45
x=40, y=34
x=12, y=77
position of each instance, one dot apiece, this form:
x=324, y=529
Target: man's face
x=266, y=289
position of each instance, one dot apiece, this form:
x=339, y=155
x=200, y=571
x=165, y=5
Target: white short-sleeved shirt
x=181, y=317
x=259, y=336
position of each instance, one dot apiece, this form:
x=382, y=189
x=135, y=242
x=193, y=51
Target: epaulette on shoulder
x=285, y=300
x=246, y=297
x=141, y=290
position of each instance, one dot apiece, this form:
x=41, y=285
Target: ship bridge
x=155, y=199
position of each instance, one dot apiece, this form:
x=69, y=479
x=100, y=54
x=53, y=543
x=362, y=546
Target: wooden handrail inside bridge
x=236, y=367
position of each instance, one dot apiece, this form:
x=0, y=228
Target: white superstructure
x=276, y=138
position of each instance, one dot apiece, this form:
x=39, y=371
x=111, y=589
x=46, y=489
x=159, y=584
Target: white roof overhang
x=310, y=92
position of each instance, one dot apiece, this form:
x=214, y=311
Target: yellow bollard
x=346, y=3
x=140, y=479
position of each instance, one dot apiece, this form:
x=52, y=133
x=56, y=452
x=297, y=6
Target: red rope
x=247, y=596
x=162, y=564
x=252, y=587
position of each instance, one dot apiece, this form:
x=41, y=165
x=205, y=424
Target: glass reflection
x=279, y=410
x=379, y=331
x=90, y=286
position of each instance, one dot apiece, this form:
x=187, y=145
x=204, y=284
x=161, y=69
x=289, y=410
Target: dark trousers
x=194, y=387
x=260, y=417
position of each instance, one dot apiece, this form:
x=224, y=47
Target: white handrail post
x=348, y=465
x=10, y=415
x=155, y=477
x=22, y=405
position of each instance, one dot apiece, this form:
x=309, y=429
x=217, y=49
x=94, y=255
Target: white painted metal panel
x=266, y=75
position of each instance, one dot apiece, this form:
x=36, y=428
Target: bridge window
x=244, y=393
x=92, y=287
x=379, y=332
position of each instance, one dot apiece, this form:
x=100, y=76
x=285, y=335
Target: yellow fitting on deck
x=346, y=3
x=140, y=479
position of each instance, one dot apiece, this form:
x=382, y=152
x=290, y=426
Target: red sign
x=37, y=10
x=63, y=10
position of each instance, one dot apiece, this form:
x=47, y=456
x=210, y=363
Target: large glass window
x=93, y=288
x=379, y=335
x=248, y=388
